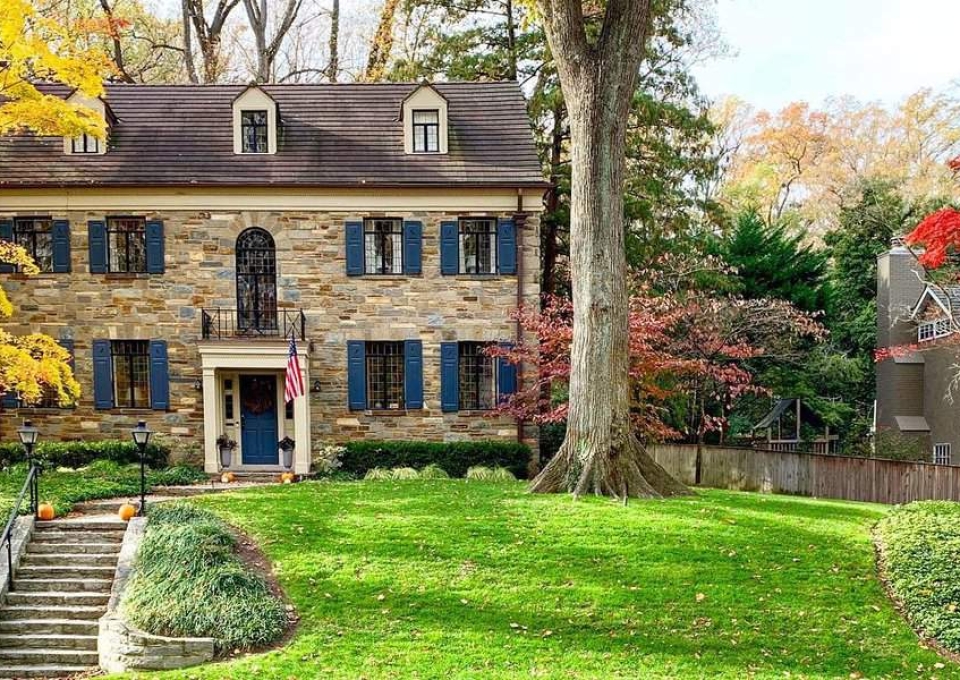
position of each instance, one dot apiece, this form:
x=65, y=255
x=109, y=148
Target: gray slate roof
x=344, y=135
x=949, y=297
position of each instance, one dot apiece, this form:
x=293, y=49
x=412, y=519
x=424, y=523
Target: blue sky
x=784, y=50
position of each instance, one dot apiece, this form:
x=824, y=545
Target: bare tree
x=267, y=47
x=333, y=66
x=382, y=43
x=209, y=36
x=600, y=453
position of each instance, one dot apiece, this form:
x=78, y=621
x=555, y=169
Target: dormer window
x=426, y=131
x=254, y=134
x=423, y=114
x=85, y=144
x=256, y=120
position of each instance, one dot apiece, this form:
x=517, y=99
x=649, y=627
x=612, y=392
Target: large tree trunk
x=600, y=453
x=333, y=67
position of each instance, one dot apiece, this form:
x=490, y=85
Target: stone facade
x=310, y=251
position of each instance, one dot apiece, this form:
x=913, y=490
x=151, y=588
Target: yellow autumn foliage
x=35, y=47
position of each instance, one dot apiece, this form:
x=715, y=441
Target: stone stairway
x=49, y=622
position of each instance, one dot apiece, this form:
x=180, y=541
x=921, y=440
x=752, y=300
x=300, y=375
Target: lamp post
x=141, y=437
x=28, y=437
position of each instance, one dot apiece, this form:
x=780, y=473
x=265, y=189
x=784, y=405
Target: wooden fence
x=809, y=474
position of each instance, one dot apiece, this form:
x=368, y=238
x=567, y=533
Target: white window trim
x=934, y=330
x=424, y=98
x=942, y=453
x=254, y=99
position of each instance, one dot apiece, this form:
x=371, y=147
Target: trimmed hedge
x=80, y=454
x=921, y=551
x=454, y=457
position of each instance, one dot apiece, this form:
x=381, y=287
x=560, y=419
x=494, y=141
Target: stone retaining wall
x=122, y=647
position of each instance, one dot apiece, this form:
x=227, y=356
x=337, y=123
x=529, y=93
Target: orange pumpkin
x=127, y=512
x=46, y=512
x=287, y=478
x=227, y=477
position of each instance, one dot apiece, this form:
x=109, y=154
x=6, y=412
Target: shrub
x=180, y=475
x=404, y=473
x=921, y=552
x=191, y=582
x=79, y=454
x=501, y=474
x=378, y=474
x=433, y=472
x=454, y=457
x=480, y=473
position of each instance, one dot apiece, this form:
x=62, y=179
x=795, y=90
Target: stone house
x=388, y=229
x=917, y=387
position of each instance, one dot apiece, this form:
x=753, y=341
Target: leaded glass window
x=383, y=246
x=127, y=244
x=256, y=281
x=131, y=373
x=253, y=131
x=478, y=246
x=35, y=235
x=385, y=375
x=478, y=387
x=426, y=131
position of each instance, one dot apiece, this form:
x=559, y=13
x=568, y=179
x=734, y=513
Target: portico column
x=211, y=421
x=301, y=422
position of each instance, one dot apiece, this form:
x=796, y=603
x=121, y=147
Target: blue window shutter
x=6, y=234
x=97, y=237
x=356, y=375
x=10, y=400
x=155, y=247
x=412, y=247
x=413, y=373
x=507, y=247
x=506, y=375
x=449, y=248
x=159, y=376
x=61, y=246
x=449, y=377
x=354, y=248
x=102, y=375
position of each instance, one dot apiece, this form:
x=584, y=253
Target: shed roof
x=335, y=135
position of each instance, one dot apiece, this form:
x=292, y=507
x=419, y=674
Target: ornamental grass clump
x=190, y=582
x=405, y=473
x=433, y=472
x=378, y=474
x=920, y=549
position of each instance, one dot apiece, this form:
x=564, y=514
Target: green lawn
x=455, y=579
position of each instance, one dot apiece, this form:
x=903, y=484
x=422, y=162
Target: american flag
x=294, y=387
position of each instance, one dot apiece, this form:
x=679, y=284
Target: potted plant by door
x=286, y=446
x=226, y=446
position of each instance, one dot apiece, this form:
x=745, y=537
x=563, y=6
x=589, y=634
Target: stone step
x=58, y=598
x=50, y=641
x=75, y=536
x=112, y=548
x=66, y=585
x=97, y=524
x=26, y=656
x=45, y=671
x=66, y=558
x=23, y=611
x=62, y=626
x=64, y=571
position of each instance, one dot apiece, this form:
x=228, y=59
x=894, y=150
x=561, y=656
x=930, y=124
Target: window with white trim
x=426, y=131
x=941, y=454
x=85, y=144
x=933, y=330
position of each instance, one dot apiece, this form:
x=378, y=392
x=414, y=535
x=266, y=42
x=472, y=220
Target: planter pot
x=226, y=456
x=287, y=457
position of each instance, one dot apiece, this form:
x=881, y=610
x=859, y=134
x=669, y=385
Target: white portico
x=243, y=398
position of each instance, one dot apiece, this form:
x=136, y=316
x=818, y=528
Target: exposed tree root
x=620, y=472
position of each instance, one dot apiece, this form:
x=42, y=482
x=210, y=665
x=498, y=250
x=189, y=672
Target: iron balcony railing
x=223, y=323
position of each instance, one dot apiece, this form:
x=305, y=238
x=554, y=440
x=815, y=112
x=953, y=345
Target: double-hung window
x=478, y=245
x=383, y=246
x=131, y=373
x=127, y=244
x=426, y=131
x=478, y=384
x=385, y=375
x=85, y=144
x=35, y=235
x=253, y=131
x=941, y=454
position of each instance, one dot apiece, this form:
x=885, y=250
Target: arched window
x=256, y=282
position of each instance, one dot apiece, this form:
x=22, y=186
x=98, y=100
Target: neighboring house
x=915, y=389
x=791, y=425
x=390, y=229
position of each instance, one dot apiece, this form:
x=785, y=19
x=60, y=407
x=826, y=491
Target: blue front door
x=258, y=420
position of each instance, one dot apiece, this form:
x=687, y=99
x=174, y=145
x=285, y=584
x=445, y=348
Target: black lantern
x=28, y=437
x=141, y=437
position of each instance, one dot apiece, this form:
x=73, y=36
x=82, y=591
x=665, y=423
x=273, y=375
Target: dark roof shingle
x=331, y=136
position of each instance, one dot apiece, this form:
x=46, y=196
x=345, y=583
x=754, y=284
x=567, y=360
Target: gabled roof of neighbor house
x=947, y=298
x=342, y=135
